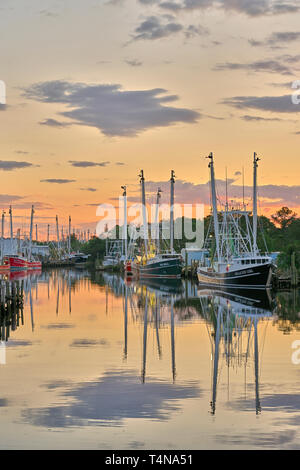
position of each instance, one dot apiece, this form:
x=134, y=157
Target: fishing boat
x=158, y=264
x=237, y=261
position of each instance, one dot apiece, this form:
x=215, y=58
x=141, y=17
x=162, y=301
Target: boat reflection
x=233, y=319
x=154, y=308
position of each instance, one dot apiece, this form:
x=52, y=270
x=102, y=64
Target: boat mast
x=69, y=238
x=125, y=220
x=172, y=181
x=2, y=235
x=11, y=229
x=57, y=234
x=126, y=322
x=214, y=202
x=255, y=165
x=142, y=181
x=157, y=237
x=30, y=234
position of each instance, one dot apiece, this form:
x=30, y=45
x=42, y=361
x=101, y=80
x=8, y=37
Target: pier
x=11, y=307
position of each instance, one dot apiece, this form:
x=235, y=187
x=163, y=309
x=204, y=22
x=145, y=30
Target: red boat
x=34, y=264
x=16, y=262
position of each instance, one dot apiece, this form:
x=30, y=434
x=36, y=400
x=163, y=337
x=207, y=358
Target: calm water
x=92, y=362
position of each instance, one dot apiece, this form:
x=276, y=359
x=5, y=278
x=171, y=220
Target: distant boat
x=166, y=265
x=80, y=260
x=237, y=261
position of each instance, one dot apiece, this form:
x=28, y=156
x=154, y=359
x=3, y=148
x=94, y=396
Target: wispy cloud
x=278, y=104
x=92, y=190
x=87, y=164
x=57, y=181
x=270, y=66
x=133, y=62
x=54, y=123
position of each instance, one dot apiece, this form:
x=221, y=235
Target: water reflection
x=113, y=350
x=233, y=317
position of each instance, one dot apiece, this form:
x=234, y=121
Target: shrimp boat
x=156, y=264
x=237, y=260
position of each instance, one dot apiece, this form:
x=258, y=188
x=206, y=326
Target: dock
x=11, y=307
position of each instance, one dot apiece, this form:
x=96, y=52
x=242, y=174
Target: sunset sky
x=98, y=89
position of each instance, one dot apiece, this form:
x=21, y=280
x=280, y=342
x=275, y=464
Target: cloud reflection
x=111, y=399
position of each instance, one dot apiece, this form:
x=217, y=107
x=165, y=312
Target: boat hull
x=17, y=263
x=34, y=265
x=161, y=269
x=253, y=277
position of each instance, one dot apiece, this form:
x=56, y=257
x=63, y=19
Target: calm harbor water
x=94, y=362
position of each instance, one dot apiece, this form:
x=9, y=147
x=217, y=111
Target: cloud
x=152, y=28
x=275, y=104
x=57, y=181
x=7, y=198
x=155, y=27
x=195, y=30
x=110, y=109
x=92, y=190
x=21, y=152
x=271, y=66
x=252, y=8
x=133, y=62
x=277, y=39
x=86, y=164
x=54, y=123
x=260, y=7
x=258, y=118
x=7, y=165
